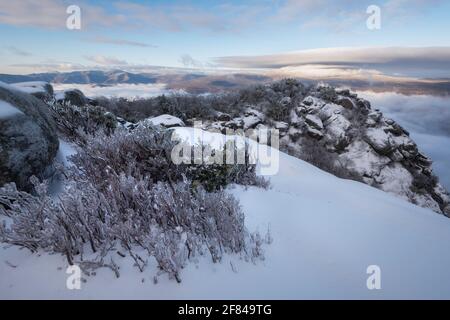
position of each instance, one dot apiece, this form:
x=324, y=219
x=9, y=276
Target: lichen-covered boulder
x=28, y=140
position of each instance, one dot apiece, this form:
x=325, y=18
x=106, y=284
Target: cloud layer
x=120, y=42
x=117, y=91
x=398, y=61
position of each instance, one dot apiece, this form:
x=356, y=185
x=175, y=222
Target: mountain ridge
x=203, y=81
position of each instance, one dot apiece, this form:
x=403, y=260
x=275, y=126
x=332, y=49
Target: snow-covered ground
x=326, y=232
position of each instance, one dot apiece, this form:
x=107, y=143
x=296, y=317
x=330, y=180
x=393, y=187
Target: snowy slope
x=326, y=232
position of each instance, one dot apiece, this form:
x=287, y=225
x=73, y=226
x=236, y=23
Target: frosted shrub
x=72, y=121
x=146, y=152
x=170, y=222
x=125, y=197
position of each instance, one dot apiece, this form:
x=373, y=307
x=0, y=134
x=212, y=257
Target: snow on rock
x=379, y=140
x=166, y=120
x=33, y=87
x=281, y=125
x=373, y=118
x=326, y=233
x=328, y=110
x=314, y=121
x=125, y=124
x=312, y=101
x=72, y=96
x=336, y=129
x=401, y=183
x=376, y=148
x=251, y=121
x=7, y=110
x=364, y=160
x=254, y=112
x=28, y=139
x=314, y=133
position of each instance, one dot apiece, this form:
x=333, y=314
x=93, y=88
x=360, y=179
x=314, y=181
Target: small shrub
x=73, y=120
x=315, y=153
x=124, y=194
x=146, y=152
x=169, y=222
x=277, y=111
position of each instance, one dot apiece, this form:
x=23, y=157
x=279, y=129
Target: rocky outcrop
x=166, y=121
x=375, y=148
x=73, y=97
x=372, y=148
x=28, y=140
x=250, y=119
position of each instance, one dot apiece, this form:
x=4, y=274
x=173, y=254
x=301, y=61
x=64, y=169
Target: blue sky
x=137, y=33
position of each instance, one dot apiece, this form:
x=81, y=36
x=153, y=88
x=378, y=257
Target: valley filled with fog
x=129, y=91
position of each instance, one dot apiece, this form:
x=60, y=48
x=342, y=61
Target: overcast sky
x=278, y=35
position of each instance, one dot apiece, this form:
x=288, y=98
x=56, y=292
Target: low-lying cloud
x=428, y=120
x=117, y=91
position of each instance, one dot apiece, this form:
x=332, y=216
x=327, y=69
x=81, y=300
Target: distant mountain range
x=202, y=82
x=83, y=77
x=191, y=82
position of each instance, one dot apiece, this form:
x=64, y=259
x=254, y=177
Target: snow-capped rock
x=314, y=121
x=73, y=96
x=39, y=89
x=314, y=133
x=253, y=112
x=378, y=149
x=125, y=124
x=28, y=140
x=220, y=116
x=7, y=110
x=374, y=148
x=236, y=123
x=251, y=121
x=379, y=140
x=166, y=120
